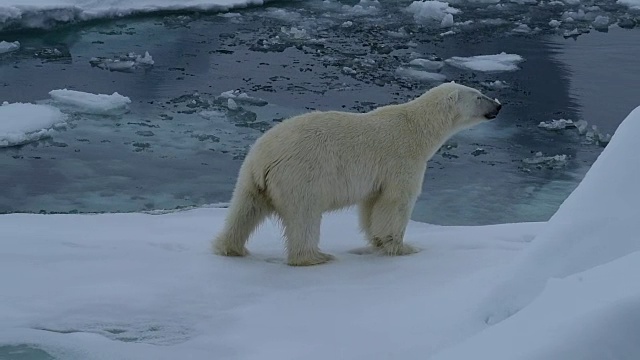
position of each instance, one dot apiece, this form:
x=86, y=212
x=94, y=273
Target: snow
x=432, y=11
x=6, y=47
x=21, y=123
x=487, y=63
x=46, y=13
x=142, y=286
x=100, y=104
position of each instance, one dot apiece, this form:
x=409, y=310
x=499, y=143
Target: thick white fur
x=324, y=161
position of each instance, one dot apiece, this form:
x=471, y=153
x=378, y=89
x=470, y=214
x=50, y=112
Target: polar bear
x=323, y=161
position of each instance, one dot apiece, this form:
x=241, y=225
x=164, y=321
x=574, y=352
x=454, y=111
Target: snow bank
x=100, y=104
x=596, y=224
x=590, y=315
x=432, y=11
x=23, y=123
x=487, y=63
x=6, y=47
x=48, y=13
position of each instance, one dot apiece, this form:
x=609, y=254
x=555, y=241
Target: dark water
x=163, y=154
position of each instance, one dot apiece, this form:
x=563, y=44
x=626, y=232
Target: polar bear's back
x=333, y=157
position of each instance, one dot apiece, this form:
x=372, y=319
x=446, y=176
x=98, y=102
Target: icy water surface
x=181, y=143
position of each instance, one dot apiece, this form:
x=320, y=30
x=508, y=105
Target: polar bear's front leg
x=302, y=235
x=389, y=219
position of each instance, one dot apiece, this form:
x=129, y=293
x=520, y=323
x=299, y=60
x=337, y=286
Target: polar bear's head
x=469, y=105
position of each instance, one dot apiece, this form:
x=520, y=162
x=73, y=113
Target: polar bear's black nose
x=499, y=107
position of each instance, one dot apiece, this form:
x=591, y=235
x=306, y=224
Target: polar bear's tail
x=249, y=207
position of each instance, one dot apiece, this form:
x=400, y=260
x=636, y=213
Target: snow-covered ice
x=487, y=63
x=21, y=123
x=46, y=13
x=142, y=286
x=100, y=104
x=6, y=46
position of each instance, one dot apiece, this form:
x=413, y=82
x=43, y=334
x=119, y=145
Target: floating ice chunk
x=242, y=97
x=212, y=114
x=431, y=11
x=22, y=123
x=294, y=33
x=364, y=7
x=554, y=23
x=447, y=33
x=230, y=15
x=553, y=162
x=559, y=124
x=447, y=21
x=498, y=84
x=125, y=63
x=349, y=71
x=522, y=28
x=420, y=75
x=601, y=22
x=100, y=104
x=487, y=63
x=573, y=33
x=581, y=125
x=6, y=47
x=145, y=60
x=231, y=104
x=579, y=15
x=347, y=24
x=633, y=4
x=427, y=64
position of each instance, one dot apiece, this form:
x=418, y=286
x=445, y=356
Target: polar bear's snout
x=493, y=108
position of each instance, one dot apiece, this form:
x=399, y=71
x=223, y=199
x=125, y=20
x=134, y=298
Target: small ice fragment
x=231, y=104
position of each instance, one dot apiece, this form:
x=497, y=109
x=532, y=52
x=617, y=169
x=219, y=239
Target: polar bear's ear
x=453, y=96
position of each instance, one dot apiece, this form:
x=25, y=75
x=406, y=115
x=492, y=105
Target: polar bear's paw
x=310, y=259
x=392, y=247
x=222, y=249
